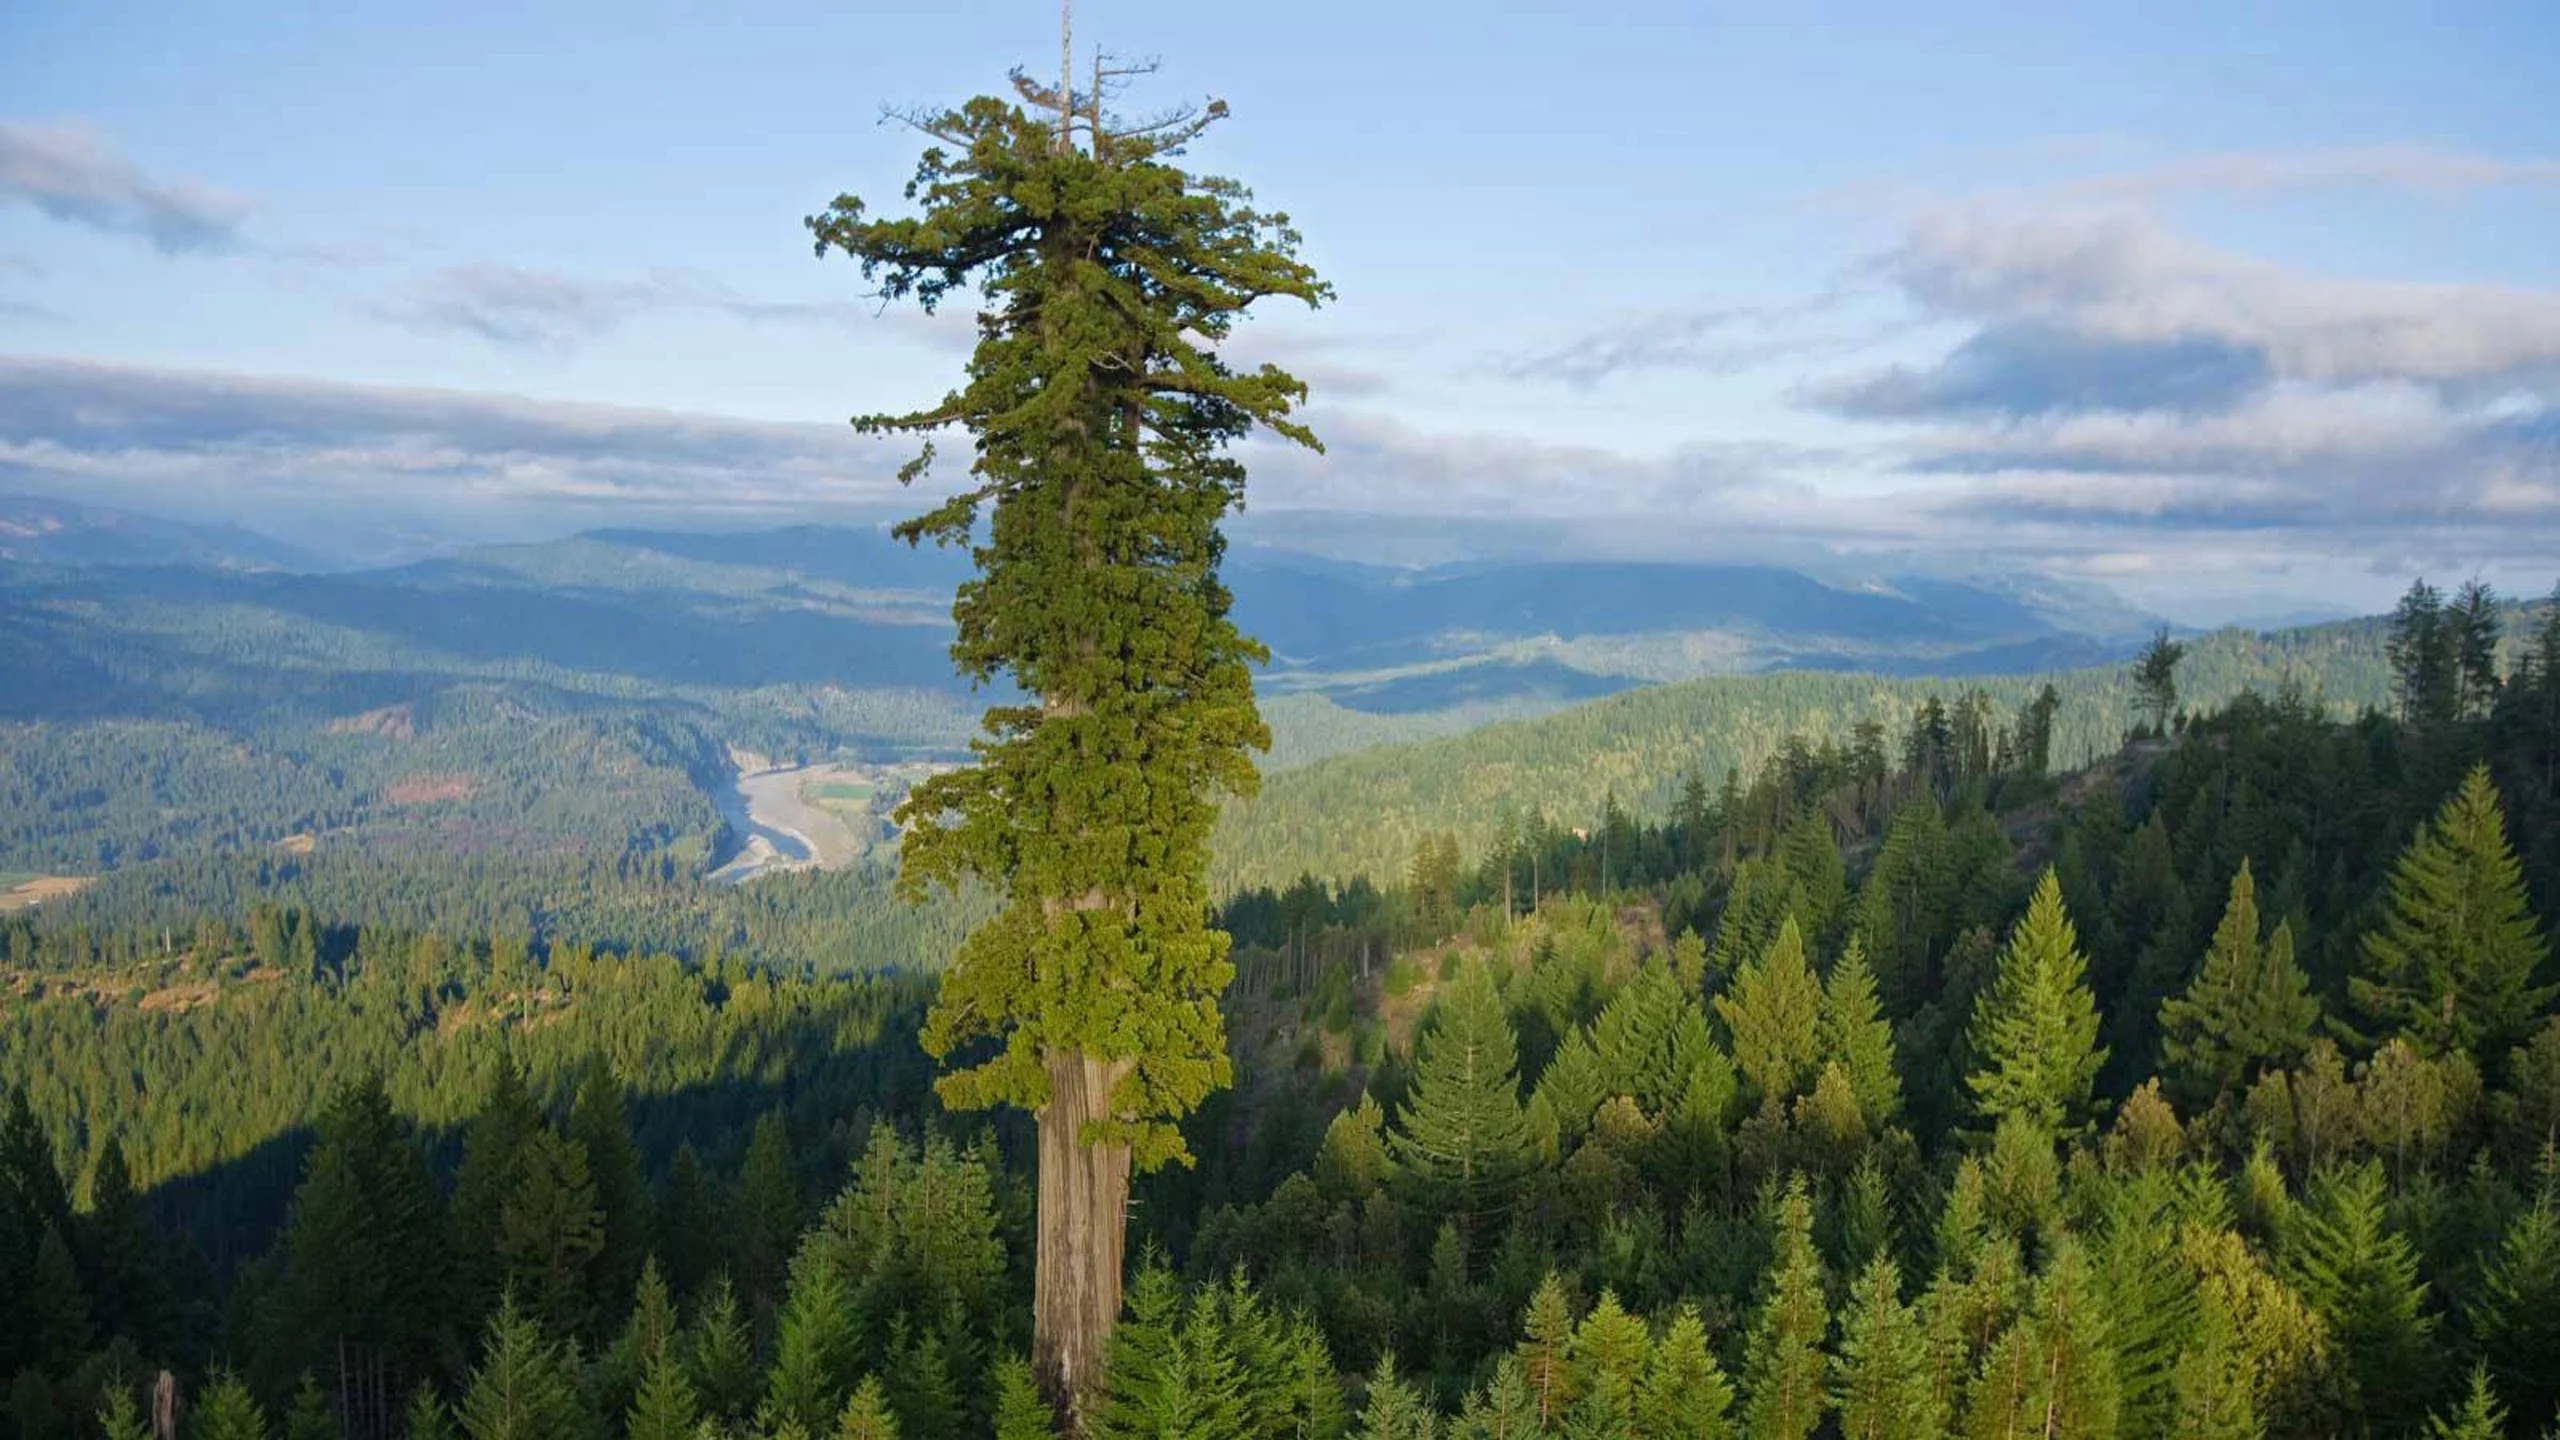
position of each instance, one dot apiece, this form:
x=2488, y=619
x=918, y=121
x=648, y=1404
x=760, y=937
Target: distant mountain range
x=40, y=531
x=851, y=607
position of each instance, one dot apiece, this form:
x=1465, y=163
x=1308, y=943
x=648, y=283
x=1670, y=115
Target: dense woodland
x=1911, y=1087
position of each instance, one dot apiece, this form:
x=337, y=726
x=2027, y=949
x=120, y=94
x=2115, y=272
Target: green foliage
x=1774, y=1013
x=119, y=1418
x=817, y=1356
x=1395, y=1410
x=1783, y=1362
x=523, y=1388
x=2250, y=1008
x=1545, y=1352
x=1857, y=1038
x=227, y=1411
x=311, y=1417
x=2213, y=1387
x=2362, y=1280
x=2452, y=965
x=2035, y=1029
x=2155, y=677
x=1643, y=743
x=1099, y=410
x=1171, y=1374
x=720, y=1355
x=2478, y=1417
x=427, y=1418
x=551, y=1231
x=1684, y=1394
x=1461, y=1142
x=866, y=1415
x=1020, y=1412
x=1880, y=1385
x=666, y=1407
x=2515, y=1314
x=597, y=1126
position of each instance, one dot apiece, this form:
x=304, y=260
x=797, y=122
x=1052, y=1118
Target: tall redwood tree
x=1100, y=415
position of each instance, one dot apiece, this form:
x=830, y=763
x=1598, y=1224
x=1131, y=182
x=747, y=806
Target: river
x=776, y=828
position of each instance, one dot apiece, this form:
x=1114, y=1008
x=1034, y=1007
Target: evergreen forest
x=1913, y=1081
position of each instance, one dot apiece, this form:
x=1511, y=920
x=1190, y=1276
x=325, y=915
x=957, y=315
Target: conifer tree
x=2515, y=1313
x=687, y=1228
x=1460, y=1141
x=920, y=1387
x=1100, y=413
x=2212, y=1386
x=768, y=1211
x=2155, y=679
x=2249, y=1009
x=551, y=1231
x=1648, y=1039
x=488, y=1178
x=58, y=1308
x=365, y=1261
x=1546, y=1350
x=1020, y=1412
x=817, y=1351
x=1352, y=1162
x=227, y=1411
x=2478, y=1417
x=119, y=1418
x=1573, y=1086
x=1396, y=1411
x=2072, y=1380
x=652, y=1327
x=2453, y=964
x=1502, y=1409
x=2035, y=1029
x=720, y=1355
x=1169, y=1378
x=522, y=1389
x=1819, y=882
x=1684, y=1395
x=2425, y=656
x=1604, y=1412
x=1611, y=1343
x=311, y=1416
x=1774, y=1013
x=866, y=1415
x=428, y=1419
x=1880, y=1385
x=597, y=1126
x=2362, y=1279
x=2145, y=1284
x=1857, y=1038
x=1903, y=904
x=666, y=1407
x=1783, y=1363
x=132, y=1285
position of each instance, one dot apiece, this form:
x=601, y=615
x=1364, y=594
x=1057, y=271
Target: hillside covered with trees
x=2208, y=1090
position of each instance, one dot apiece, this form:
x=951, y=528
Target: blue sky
x=2230, y=314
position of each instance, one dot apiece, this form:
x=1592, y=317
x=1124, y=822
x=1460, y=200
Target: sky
x=2235, y=314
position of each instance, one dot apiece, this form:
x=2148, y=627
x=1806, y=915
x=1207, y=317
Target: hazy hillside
x=531, y=735
x=39, y=531
x=1364, y=812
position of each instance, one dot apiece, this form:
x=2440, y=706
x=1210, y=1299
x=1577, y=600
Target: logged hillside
x=1363, y=812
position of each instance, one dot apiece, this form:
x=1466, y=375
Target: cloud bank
x=519, y=308
x=75, y=175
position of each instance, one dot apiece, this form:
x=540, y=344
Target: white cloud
x=75, y=175
x=518, y=307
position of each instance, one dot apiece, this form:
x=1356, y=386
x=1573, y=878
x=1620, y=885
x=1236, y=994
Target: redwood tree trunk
x=1083, y=1220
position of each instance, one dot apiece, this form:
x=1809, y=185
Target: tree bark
x=1083, y=1215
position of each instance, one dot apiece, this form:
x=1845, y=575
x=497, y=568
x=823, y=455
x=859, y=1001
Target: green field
x=841, y=791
